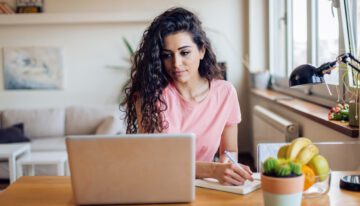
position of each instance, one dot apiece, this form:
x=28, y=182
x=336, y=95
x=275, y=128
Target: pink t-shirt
x=207, y=119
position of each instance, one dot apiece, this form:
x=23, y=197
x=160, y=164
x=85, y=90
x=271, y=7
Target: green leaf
x=128, y=46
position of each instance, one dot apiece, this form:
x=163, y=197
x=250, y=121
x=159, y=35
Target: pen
x=228, y=155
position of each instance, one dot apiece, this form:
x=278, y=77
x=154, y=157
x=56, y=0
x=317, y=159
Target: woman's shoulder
x=222, y=85
x=170, y=88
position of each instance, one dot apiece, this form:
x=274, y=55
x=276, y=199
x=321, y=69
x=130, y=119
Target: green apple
x=320, y=166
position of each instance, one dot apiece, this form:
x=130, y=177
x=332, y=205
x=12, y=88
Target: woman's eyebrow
x=183, y=47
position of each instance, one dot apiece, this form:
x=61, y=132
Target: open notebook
x=247, y=187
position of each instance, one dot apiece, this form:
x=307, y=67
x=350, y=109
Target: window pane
x=355, y=15
x=279, y=39
x=358, y=28
x=328, y=37
x=299, y=33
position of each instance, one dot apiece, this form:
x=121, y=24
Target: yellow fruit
x=282, y=152
x=309, y=177
x=306, y=154
x=320, y=166
x=296, y=146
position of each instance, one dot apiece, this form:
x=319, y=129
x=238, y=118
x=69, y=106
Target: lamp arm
x=327, y=67
x=354, y=67
x=345, y=59
x=353, y=58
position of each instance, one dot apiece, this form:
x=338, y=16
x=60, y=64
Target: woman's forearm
x=229, y=142
x=205, y=169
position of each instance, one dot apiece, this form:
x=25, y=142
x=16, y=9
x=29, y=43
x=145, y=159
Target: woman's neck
x=194, y=91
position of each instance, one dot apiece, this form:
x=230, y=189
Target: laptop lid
x=137, y=168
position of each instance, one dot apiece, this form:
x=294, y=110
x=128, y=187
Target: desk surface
x=57, y=191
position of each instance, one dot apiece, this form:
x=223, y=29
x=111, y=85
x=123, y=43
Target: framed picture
x=29, y=6
x=32, y=68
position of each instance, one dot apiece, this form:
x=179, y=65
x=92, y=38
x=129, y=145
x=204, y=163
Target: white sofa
x=48, y=127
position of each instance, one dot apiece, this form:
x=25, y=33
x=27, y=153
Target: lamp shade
x=305, y=74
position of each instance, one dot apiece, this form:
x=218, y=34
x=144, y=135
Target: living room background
x=88, y=48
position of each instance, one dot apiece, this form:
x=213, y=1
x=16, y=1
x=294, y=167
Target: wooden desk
x=49, y=191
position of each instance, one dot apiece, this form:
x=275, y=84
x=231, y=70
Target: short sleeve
x=234, y=112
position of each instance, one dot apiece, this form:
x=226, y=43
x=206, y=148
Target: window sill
x=312, y=111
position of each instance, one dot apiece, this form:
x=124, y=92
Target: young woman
x=176, y=87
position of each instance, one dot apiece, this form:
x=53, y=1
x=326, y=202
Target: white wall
x=88, y=48
x=258, y=36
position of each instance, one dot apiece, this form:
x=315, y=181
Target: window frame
x=318, y=94
x=350, y=37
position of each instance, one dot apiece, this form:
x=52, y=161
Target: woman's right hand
x=231, y=174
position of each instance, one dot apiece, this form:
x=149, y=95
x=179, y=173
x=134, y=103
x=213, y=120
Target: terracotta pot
x=282, y=191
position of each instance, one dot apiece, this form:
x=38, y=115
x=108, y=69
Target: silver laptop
x=126, y=169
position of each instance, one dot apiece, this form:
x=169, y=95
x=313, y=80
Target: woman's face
x=181, y=57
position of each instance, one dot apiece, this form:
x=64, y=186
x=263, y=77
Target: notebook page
x=246, y=188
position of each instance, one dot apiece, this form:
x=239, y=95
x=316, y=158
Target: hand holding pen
x=242, y=170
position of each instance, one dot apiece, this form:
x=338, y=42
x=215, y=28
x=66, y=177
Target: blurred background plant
x=128, y=46
x=128, y=59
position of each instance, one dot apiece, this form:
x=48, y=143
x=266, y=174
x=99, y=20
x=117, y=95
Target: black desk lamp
x=308, y=74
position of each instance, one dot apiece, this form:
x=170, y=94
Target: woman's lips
x=179, y=72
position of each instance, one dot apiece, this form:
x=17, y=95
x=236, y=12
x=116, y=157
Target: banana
x=306, y=154
x=296, y=146
x=282, y=152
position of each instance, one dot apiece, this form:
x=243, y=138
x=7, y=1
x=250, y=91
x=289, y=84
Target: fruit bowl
x=320, y=186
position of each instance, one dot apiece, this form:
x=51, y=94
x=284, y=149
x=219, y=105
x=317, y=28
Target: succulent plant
x=295, y=168
x=269, y=165
x=281, y=168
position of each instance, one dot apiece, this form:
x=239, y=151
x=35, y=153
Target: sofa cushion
x=48, y=144
x=109, y=126
x=38, y=123
x=13, y=134
x=85, y=120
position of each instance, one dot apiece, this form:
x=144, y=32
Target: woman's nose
x=177, y=61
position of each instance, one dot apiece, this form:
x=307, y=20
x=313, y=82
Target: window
x=299, y=40
x=277, y=34
x=357, y=29
x=327, y=37
x=313, y=32
x=351, y=9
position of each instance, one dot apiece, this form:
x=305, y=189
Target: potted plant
x=282, y=182
x=128, y=59
x=300, y=171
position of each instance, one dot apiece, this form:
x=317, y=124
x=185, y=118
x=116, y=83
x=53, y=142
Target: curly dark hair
x=148, y=76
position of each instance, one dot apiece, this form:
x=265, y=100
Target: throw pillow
x=108, y=126
x=20, y=126
x=13, y=134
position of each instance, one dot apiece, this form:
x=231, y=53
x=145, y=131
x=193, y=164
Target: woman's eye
x=165, y=56
x=184, y=53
